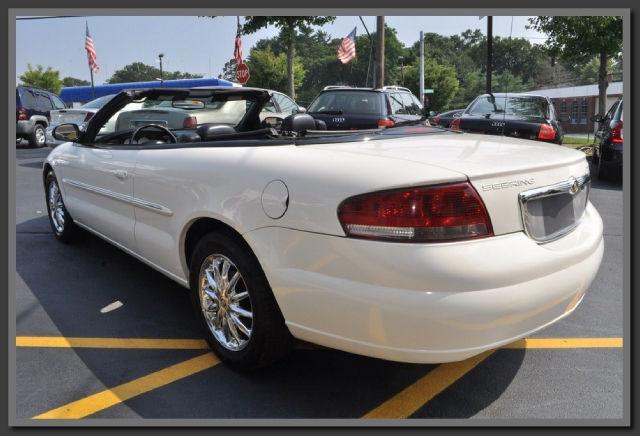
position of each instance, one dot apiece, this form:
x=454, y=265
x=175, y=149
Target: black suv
x=347, y=108
x=32, y=113
x=607, y=152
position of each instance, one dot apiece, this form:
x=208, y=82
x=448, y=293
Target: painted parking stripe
x=62, y=342
x=110, y=397
x=409, y=400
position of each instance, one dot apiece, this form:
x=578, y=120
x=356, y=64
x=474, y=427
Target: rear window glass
x=98, y=102
x=353, y=102
x=519, y=106
x=27, y=99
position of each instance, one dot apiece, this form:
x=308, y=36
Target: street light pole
x=160, y=56
x=421, y=69
x=379, y=77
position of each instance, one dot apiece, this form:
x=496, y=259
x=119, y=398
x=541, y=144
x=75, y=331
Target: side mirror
x=66, y=132
x=301, y=110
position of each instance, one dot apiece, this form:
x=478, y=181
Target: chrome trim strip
x=137, y=202
x=573, y=186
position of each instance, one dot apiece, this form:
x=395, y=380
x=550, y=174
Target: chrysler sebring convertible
x=411, y=243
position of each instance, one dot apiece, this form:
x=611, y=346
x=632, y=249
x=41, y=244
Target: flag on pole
x=91, y=52
x=237, y=51
x=347, y=49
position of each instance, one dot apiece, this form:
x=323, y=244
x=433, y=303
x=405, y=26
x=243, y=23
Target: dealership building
x=579, y=104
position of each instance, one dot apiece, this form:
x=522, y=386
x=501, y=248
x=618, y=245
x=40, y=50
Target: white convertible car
x=413, y=243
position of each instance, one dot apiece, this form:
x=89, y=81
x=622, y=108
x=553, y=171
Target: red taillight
x=455, y=124
x=616, y=133
x=546, y=132
x=88, y=117
x=427, y=214
x=190, y=123
x=385, y=122
x=22, y=114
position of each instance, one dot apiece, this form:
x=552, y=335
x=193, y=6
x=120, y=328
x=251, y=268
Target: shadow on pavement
x=73, y=282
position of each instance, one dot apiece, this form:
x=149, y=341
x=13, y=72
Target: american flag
x=91, y=52
x=237, y=51
x=347, y=49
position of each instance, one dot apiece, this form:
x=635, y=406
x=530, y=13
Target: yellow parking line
x=110, y=397
x=62, y=342
x=407, y=401
x=566, y=343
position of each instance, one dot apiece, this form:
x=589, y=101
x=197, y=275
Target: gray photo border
x=19, y=422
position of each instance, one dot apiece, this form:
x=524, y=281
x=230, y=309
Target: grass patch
x=575, y=140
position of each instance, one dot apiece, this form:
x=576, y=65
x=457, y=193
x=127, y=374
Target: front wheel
x=61, y=222
x=235, y=305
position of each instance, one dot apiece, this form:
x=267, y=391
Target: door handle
x=120, y=174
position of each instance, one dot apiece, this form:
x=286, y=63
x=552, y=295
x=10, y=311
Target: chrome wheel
x=40, y=136
x=225, y=302
x=56, y=207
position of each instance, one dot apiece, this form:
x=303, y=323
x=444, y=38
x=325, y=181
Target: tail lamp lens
x=616, y=133
x=546, y=132
x=385, y=122
x=438, y=213
x=190, y=123
x=22, y=114
x=455, y=124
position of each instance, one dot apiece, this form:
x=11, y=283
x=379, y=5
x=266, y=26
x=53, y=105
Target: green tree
x=268, y=70
x=289, y=25
x=441, y=78
x=580, y=38
x=139, y=72
x=72, y=81
x=229, y=71
x=48, y=79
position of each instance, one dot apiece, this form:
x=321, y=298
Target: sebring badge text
x=509, y=184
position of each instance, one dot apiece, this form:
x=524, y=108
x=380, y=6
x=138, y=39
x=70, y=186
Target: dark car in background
x=607, y=151
x=348, y=108
x=526, y=116
x=444, y=119
x=33, y=108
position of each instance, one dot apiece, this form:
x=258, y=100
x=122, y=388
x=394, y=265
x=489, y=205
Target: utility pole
x=489, y=51
x=421, y=69
x=160, y=56
x=379, y=82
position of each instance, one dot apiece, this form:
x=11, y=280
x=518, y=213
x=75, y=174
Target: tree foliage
x=268, y=70
x=48, y=79
x=73, y=81
x=139, y=72
x=439, y=77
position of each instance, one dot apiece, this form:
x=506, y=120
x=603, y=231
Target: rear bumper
x=426, y=303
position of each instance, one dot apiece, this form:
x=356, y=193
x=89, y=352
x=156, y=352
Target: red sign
x=242, y=73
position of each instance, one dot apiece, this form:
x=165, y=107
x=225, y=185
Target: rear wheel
x=235, y=304
x=61, y=222
x=38, y=136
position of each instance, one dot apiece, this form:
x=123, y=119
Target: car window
x=518, y=106
x=270, y=106
x=286, y=104
x=28, y=99
x=619, y=112
x=57, y=103
x=611, y=111
x=348, y=102
x=98, y=102
x=416, y=101
x=44, y=104
x=410, y=107
x=396, y=103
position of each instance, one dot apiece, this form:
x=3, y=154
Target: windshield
x=98, y=102
x=352, y=102
x=515, y=106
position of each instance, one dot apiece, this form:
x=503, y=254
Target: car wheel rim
x=56, y=207
x=225, y=302
x=40, y=136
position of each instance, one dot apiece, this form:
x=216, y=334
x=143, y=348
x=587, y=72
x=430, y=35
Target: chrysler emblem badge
x=575, y=186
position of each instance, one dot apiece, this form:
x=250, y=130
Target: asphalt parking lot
x=146, y=358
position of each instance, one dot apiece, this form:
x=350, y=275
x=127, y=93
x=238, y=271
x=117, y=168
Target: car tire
x=223, y=302
x=61, y=222
x=38, y=136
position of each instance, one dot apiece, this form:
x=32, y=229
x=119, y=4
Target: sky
x=199, y=45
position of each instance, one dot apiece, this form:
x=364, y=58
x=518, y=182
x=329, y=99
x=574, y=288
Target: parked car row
x=33, y=107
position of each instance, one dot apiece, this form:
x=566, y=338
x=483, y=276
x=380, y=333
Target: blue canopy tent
x=83, y=94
